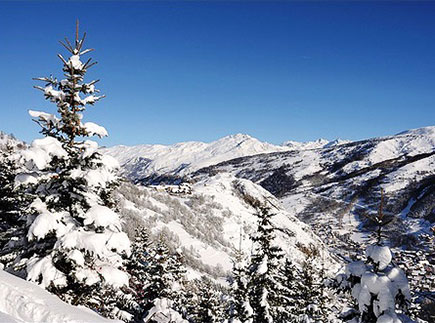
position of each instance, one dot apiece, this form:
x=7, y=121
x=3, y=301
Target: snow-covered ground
x=23, y=301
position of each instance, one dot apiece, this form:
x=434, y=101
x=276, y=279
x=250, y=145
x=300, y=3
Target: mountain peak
x=237, y=137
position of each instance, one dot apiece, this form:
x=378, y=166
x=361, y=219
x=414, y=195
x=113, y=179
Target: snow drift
x=22, y=301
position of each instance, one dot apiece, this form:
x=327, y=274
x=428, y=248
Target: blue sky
x=178, y=71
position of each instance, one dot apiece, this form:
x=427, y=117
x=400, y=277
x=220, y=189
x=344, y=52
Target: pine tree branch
x=90, y=65
x=87, y=51
x=79, y=48
x=64, y=45
x=62, y=59
x=69, y=44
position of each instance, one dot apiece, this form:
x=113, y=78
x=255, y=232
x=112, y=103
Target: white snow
x=44, y=116
x=53, y=94
x=94, y=129
x=102, y=216
x=97, y=243
x=297, y=145
x=36, y=265
x=115, y=277
x=74, y=62
x=162, y=312
x=22, y=301
x=380, y=255
x=47, y=222
x=42, y=151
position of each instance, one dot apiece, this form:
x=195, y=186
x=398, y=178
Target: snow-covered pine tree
x=187, y=299
x=315, y=302
x=293, y=300
x=240, y=310
x=12, y=203
x=163, y=312
x=266, y=282
x=137, y=266
x=74, y=241
x=164, y=272
x=209, y=304
x=381, y=290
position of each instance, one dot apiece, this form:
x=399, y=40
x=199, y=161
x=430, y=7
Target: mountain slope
x=212, y=220
x=332, y=184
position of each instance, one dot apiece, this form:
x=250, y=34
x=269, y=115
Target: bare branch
x=69, y=44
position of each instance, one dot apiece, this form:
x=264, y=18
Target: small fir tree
x=294, y=302
x=12, y=204
x=316, y=304
x=266, y=283
x=165, y=273
x=208, y=303
x=137, y=265
x=381, y=290
x=240, y=310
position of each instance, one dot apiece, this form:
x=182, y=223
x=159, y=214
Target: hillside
x=339, y=185
x=211, y=220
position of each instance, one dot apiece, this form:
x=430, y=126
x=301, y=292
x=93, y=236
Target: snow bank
x=22, y=301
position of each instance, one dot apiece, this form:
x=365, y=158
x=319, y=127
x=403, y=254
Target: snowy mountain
x=338, y=185
x=343, y=178
x=319, y=143
x=151, y=164
x=209, y=221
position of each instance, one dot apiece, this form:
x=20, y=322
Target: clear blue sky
x=175, y=71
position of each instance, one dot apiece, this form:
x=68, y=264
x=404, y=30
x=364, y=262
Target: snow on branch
x=94, y=129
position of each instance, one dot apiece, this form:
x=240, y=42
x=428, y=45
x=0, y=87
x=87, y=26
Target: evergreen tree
x=240, y=309
x=293, y=299
x=137, y=266
x=12, y=204
x=187, y=299
x=315, y=305
x=74, y=241
x=266, y=283
x=164, y=272
x=208, y=303
x=381, y=290
x=119, y=303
